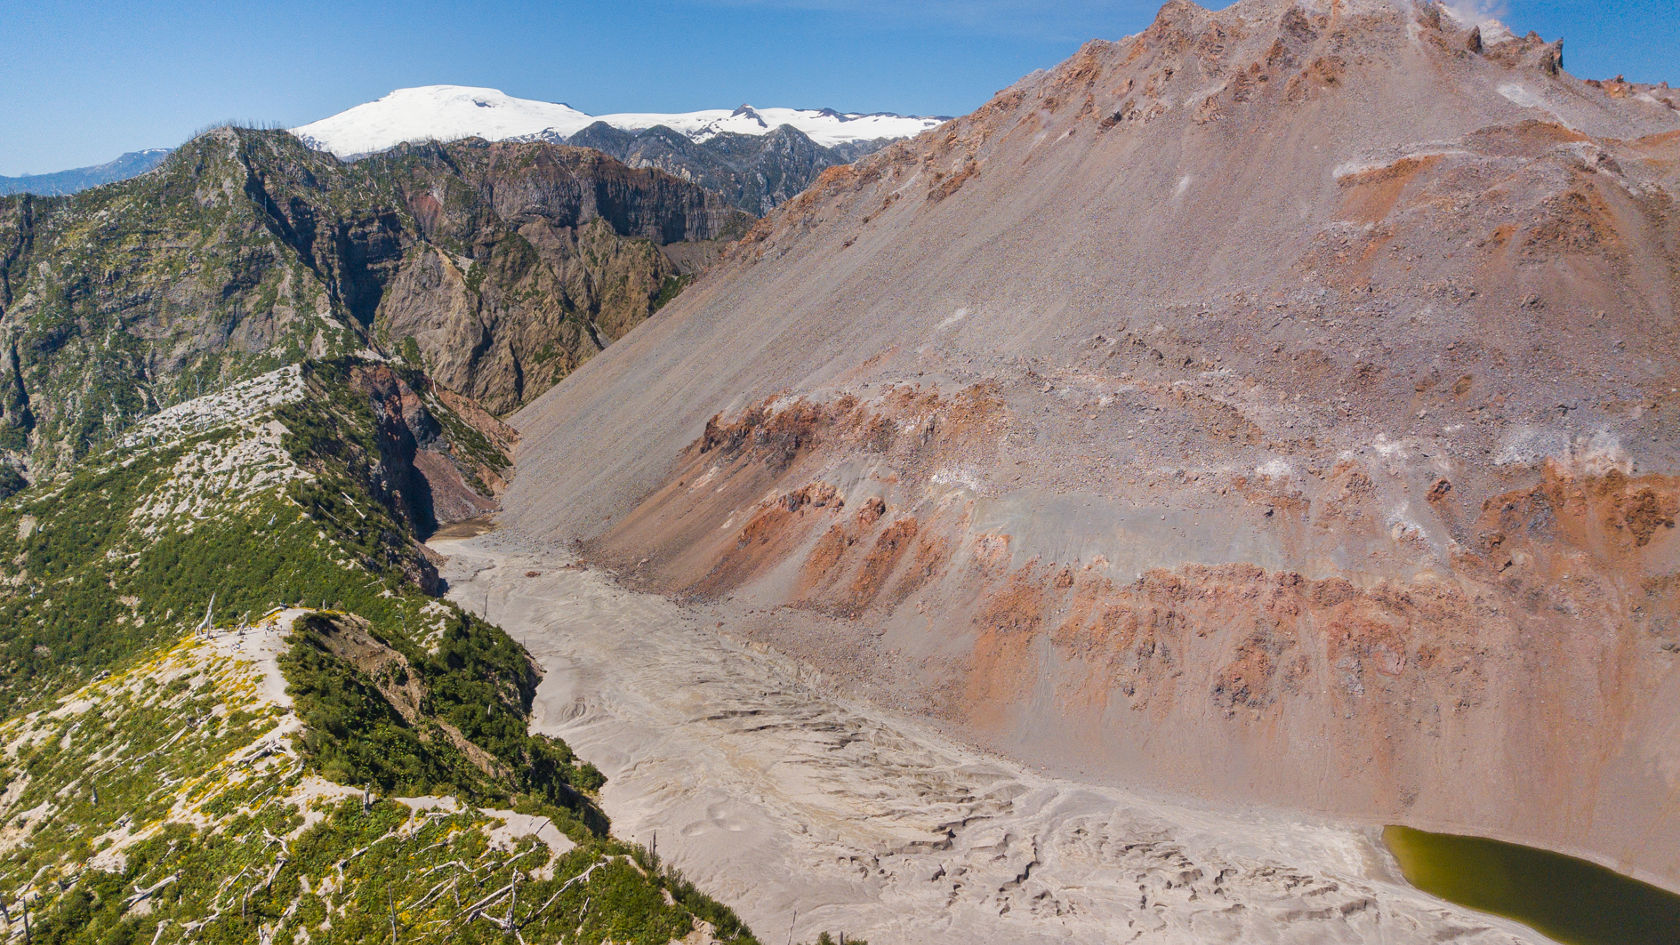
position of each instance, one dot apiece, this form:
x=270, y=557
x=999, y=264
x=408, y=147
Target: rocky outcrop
x=1279, y=404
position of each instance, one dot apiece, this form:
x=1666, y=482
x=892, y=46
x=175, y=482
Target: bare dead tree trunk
x=513, y=898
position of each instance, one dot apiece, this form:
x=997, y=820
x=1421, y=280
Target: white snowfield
x=452, y=112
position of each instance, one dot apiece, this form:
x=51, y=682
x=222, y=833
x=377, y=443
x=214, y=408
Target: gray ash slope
x=1277, y=404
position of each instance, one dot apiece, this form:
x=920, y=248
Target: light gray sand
x=776, y=797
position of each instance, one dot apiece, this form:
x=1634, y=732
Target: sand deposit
x=808, y=812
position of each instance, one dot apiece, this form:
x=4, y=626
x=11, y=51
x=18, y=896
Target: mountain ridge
x=722, y=155
x=59, y=183
x=452, y=112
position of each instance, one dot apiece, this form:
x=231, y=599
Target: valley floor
x=808, y=813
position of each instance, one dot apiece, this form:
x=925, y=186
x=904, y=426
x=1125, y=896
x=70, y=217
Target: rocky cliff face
x=499, y=268
x=1279, y=403
x=753, y=172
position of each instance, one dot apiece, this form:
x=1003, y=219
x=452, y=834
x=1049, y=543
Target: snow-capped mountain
x=450, y=112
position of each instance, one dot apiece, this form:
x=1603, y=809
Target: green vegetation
x=355, y=877
x=464, y=732
x=91, y=580
x=161, y=802
x=669, y=289
x=150, y=738
x=93, y=588
x=272, y=857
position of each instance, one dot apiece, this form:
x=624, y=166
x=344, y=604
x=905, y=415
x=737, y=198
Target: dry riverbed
x=805, y=811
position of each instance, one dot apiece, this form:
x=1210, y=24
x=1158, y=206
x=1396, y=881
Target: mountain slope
x=452, y=112
x=329, y=750
x=81, y=178
x=1278, y=404
x=498, y=267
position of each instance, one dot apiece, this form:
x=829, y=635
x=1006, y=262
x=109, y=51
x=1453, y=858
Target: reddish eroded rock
x=1646, y=513
x=775, y=435
x=1003, y=665
x=1529, y=138
x=1529, y=52
x=1245, y=642
x=947, y=184
x=1134, y=640
x=767, y=450
x=871, y=512
x=822, y=566
x=770, y=535
x=1613, y=518
x=1234, y=652
x=1371, y=195
x=890, y=548
x=1438, y=491
x=1578, y=221
x=771, y=436
x=1425, y=627
x=818, y=494
x=1319, y=73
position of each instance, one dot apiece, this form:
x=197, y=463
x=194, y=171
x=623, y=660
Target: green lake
x=1564, y=898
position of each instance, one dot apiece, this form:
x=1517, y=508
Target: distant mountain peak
x=452, y=112
x=81, y=178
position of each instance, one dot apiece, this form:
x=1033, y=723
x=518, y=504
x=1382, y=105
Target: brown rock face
x=1280, y=404
x=526, y=259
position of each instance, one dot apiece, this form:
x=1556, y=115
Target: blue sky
x=82, y=82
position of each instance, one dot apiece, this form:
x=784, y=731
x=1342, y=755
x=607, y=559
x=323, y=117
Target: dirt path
x=777, y=798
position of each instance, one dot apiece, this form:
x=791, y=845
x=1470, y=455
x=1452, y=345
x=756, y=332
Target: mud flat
x=808, y=813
